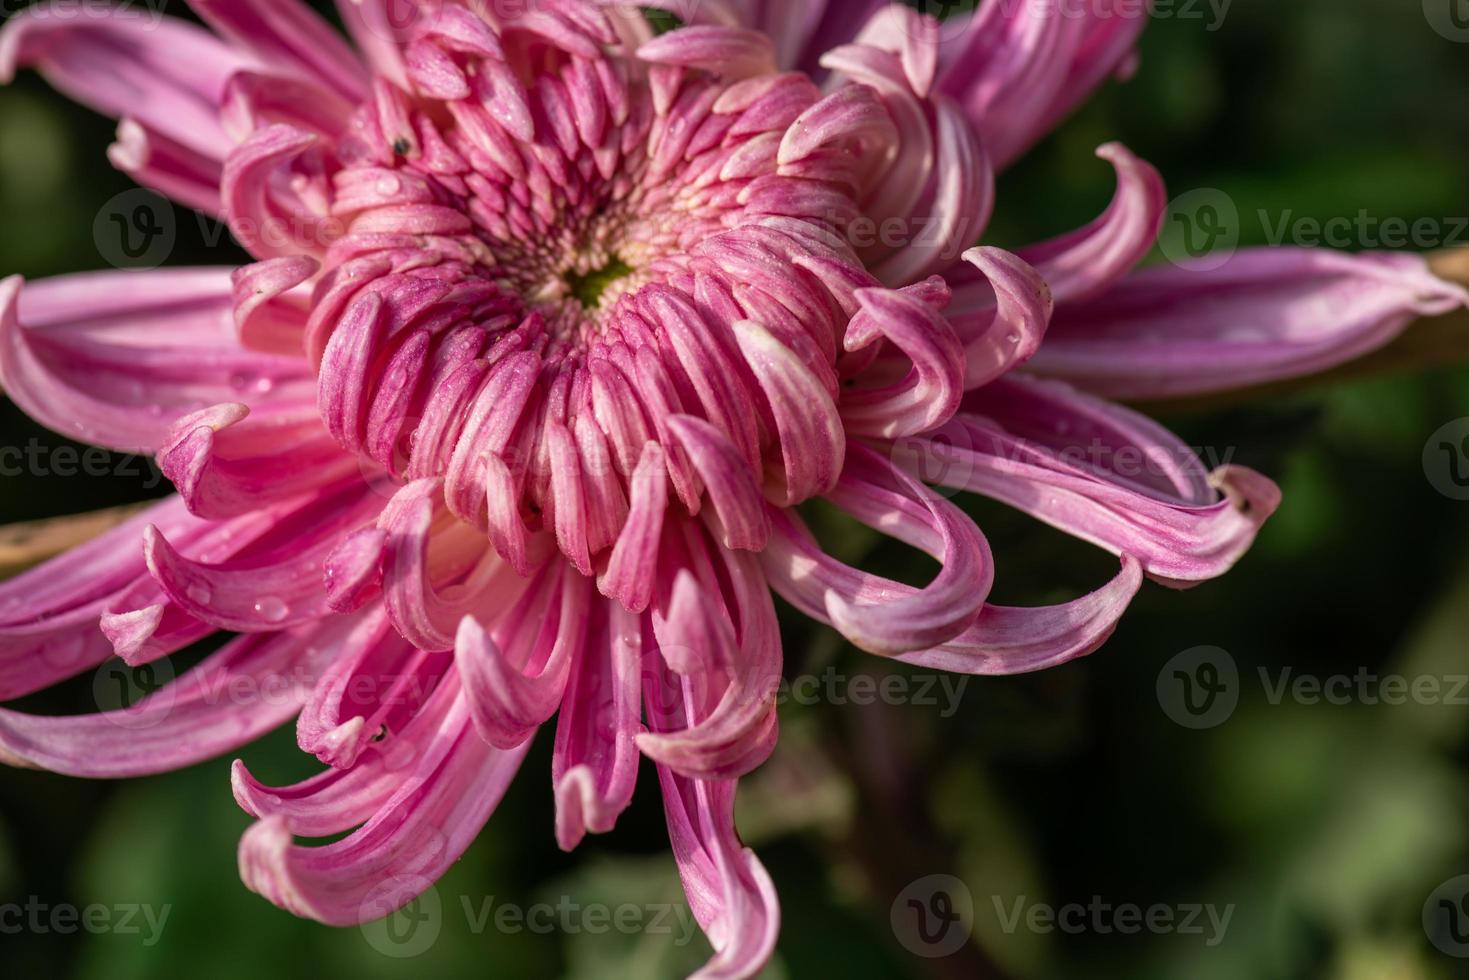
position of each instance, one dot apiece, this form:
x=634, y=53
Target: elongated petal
x=171, y=168
x=168, y=75
x=1008, y=640
x=1149, y=497
x=1263, y=315
x=594, y=763
x=116, y=358
x=251, y=596
x=1003, y=319
x=49, y=615
x=731, y=894
x=226, y=461
x=266, y=215
x=732, y=52
x=1019, y=67
x=515, y=675
x=428, y=593
x=727, y=648
x=811, y=437
x=287, y=35
x=877, y=614
x=409, y=841
x=1092, y=259
x=341, y=798
x=236, y=695
x=929, y=394
x=369, y=697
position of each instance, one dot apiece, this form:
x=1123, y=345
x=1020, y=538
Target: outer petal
x=930, y=392
x=1103, y=474
x=422, y=829
x=1002, y=318
x=1090, y=260
x=1006, y=640
x=877, y=614
x=287, y=35
x=342, y=798
x=236, y=695
x=49, y=615
x=1266, y=314
x=515, y=673
x=168, y=75
x=729, y=891
x=116, y=358
x=1020, y=66
x=728, y=888
x=594, y=764
x=724, y=648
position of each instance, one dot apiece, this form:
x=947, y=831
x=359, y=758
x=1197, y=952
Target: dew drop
x=272, y=609
x=199, y=592
x=1012, y=339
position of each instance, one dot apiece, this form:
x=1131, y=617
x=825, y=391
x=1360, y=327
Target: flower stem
x=32, y=542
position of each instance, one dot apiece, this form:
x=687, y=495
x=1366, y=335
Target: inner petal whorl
x=550, y=257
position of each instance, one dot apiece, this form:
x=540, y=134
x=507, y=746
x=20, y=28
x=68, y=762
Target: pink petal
x=339, y=799
x=877, y=614
x=116, y=358
x=723, y=649
x=731, y=52
x=812, y=440
x=515, y=672
x=416, y=834
x=168, y=75
x=234, y=696
x=1092, y=259
x=226, y=461
x=930, y=391
x=1264, y=315
x=1018, y=68
x=731, y=894
x=594, y=764
x=1003, y=318
x=167, y=166
x=1006, y=640
x=1103, y=474
x=288, y=36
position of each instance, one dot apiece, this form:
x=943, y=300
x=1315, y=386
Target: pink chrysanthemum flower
x=554, y=324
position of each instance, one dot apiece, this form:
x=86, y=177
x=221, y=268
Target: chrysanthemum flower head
x=554, y=323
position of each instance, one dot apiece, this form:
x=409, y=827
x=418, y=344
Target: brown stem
x=894, y=838
x=30, y=543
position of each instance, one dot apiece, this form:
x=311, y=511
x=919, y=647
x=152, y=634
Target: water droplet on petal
x=199, y=592
x=271, y=609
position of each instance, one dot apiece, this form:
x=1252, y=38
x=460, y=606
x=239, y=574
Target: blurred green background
x=1326, y=827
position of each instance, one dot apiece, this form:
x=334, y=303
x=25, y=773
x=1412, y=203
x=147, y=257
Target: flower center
x=588, y=288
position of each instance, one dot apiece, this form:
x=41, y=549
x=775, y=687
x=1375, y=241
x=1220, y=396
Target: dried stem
x=30, y=543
